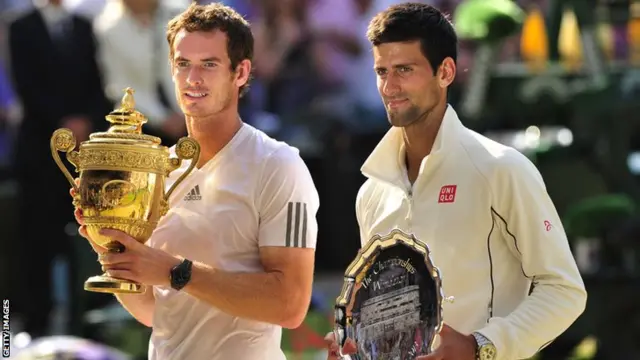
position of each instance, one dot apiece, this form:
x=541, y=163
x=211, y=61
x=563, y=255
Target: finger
x=446, y=329
x=78, y=215
x=349, y=347
x=333, y=355
x=72, y=191
x=118, y=267
x=123, y=238
x=330, y=338
x=109, y=258
x=82, y=230
x=332, y=346
x=122, y=274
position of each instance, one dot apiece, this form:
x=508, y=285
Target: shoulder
x=365, y=194
x=495, y=161
x=282, y=175
x=269, y=153
x=371, y=198
x=277, y=163
x=18, y=20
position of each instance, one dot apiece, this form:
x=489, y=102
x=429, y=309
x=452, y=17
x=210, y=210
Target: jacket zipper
x=410, y=215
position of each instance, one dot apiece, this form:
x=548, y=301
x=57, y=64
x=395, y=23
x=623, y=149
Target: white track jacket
x=492, y=229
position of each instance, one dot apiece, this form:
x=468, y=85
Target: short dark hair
x=212, y=17
x=416, y=21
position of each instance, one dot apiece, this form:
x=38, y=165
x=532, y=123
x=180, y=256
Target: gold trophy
x=122, y=182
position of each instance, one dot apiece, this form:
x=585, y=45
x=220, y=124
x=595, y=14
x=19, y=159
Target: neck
x=420, y=136
x=213, y=133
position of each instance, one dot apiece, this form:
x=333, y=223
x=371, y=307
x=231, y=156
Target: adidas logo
x=194, y=194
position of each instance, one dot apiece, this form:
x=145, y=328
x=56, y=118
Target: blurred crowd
x=65, y=63
x=312, y=60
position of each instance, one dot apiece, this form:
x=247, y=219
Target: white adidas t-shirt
x=255, y=192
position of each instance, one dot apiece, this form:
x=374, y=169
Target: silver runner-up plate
x=391, y=300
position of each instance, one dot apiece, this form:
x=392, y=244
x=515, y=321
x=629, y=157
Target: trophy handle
x=186, y=149
x=63, y=140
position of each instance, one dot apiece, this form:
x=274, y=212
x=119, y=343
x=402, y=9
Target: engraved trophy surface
x=391, y=300
x=121, y=185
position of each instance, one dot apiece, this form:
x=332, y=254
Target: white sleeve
x=287, y=202
x=535, y=235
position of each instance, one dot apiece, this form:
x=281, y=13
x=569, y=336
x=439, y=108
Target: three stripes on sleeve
x=296, y=231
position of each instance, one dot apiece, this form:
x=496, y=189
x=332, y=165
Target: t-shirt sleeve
x=287, y=202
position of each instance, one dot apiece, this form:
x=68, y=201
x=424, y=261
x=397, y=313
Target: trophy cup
x=391, y=300
x=122, y=182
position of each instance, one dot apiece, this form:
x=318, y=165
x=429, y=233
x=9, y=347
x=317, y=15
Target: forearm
x=140, y=306
x=266, y=297
x=543, y=316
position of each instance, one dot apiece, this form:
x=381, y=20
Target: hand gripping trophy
x=122, y=181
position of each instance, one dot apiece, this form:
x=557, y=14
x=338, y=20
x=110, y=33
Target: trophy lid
x=126, y=122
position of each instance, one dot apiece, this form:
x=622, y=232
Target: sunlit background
x=557, y=79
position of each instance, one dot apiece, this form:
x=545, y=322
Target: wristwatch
x=180, y=274
x=485, y=349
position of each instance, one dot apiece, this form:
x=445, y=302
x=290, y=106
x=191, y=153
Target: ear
x=243, y=72
x=446, y=73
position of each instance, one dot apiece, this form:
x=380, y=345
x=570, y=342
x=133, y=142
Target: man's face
x=406, y=82
x=204, y=82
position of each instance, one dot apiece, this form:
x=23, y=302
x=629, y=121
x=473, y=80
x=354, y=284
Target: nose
x=389, y=86
x=194, y=78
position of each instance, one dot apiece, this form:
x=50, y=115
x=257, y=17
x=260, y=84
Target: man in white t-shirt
x=481, y=207
x=232, y=261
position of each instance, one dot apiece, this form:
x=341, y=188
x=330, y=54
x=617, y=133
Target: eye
x=182, y=64
x=209, y=64
x=381, y=72
x=404, y=69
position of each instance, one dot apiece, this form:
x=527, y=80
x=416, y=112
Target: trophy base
x=107, y=284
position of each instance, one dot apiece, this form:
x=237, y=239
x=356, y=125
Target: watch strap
x=483, y=343
x=180, y=275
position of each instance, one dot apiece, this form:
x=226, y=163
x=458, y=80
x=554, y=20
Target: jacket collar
x=386, y=162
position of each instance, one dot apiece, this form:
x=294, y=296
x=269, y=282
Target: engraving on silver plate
x=391, y=300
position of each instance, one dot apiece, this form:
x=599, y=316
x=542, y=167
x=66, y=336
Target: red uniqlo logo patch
x=447, y=194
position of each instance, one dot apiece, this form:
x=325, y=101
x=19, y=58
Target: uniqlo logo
x=447, y=194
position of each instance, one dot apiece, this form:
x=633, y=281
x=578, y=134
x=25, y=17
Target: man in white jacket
x=480, y=206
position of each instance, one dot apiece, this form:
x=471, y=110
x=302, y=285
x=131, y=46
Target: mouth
x=392, y=104
x=195, y=95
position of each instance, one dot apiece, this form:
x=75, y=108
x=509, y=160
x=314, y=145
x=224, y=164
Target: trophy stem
x=107, y=284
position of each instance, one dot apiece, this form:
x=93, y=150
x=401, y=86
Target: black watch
x=180, y=274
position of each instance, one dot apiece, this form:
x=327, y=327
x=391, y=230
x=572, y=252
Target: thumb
x=123, y=238
x=349, y=347
x=446, y=328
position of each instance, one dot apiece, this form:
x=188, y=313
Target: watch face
x=180, y=278
x=180, y=275
x=487, y=352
